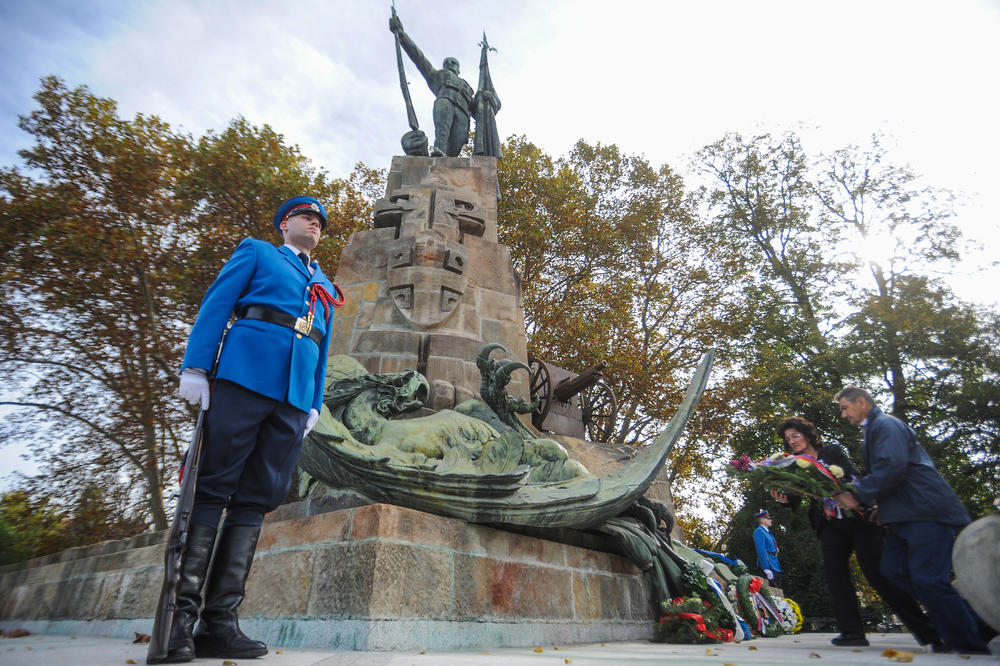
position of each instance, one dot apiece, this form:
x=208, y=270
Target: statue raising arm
x=453, y=96
x=430, y=73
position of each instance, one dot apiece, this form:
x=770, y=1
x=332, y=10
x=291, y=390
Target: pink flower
x=742, y=463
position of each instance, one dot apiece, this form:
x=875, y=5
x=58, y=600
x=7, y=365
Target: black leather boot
x=194, y=565
x=219, y=633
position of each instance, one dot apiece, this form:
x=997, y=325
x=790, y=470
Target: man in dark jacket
x=921, y=512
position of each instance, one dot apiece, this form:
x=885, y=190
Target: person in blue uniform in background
x=767, y=549
x=266, y=395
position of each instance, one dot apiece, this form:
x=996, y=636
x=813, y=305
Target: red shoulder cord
x=317, y=292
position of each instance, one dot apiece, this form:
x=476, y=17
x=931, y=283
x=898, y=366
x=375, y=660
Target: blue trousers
x=917, y=558
x=251, y=445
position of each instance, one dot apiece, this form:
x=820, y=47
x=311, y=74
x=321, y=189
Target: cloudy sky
x=659, y=78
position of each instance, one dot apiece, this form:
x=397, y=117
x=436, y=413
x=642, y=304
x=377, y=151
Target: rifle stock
x=159, y=638
x=176, y=543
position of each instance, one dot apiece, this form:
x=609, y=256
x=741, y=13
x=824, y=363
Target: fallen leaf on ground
x=228, y=663
x=423, y=652
x=567, y=661
x=538, y=649
x=16, y=633
x=279, y=652
x=751, y=647
x=141, y=638
x=898, y=655
x=130, y=661
x=726, y=663
x=815, y=655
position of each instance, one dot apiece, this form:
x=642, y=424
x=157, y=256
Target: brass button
x=298, y=335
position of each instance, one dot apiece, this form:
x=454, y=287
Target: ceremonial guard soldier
x=266, y=395
x=767, y=548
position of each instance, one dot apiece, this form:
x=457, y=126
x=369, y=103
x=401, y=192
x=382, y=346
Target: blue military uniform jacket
x=767, y=549
x=267, y=358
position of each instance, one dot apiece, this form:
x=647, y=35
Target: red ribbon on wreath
x=699, y=623
x=756, y=584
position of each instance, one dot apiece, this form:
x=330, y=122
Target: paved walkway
x=799, y=649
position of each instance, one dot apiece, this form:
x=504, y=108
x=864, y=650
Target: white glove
x=311, y=421
x=194, y=387
x=769, y=574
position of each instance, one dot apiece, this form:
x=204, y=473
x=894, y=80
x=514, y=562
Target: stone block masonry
x=375, y=577
x=428, y=285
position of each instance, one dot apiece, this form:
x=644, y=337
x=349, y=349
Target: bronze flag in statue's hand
x=486, y=105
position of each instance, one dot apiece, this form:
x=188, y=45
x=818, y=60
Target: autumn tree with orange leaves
x=613, y=267
x=111, y=232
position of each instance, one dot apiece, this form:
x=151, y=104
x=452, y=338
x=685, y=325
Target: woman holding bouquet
x=842, y=534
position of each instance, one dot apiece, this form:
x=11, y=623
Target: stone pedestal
x=429, y=284
x=374, y=577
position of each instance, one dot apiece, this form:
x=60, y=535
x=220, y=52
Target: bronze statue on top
x=455, y=102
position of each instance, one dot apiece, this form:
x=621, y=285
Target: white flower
x=837, y=471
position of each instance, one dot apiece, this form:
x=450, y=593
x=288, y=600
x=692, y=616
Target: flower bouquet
x=796, y=474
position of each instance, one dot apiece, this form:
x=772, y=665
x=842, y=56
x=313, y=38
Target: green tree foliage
x=110, y=235
x=30, y=526
x=33, y=524
x=844, y=252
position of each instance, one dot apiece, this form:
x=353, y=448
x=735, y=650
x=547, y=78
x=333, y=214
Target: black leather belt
x=281, y=319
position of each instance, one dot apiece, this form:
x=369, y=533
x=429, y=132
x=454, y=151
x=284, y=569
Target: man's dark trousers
x=838, y=539
x=917, y=558
x=251, y=447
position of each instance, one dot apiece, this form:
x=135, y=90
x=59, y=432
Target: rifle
x=159, y=640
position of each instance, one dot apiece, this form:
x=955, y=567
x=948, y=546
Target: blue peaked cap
x=299, y=204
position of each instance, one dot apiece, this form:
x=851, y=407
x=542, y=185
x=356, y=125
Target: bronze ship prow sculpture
x=467, y=463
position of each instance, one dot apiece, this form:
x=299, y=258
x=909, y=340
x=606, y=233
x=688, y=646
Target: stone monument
x=429, y=284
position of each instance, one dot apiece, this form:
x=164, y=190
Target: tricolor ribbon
x=832, y=512
x=821, y=467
